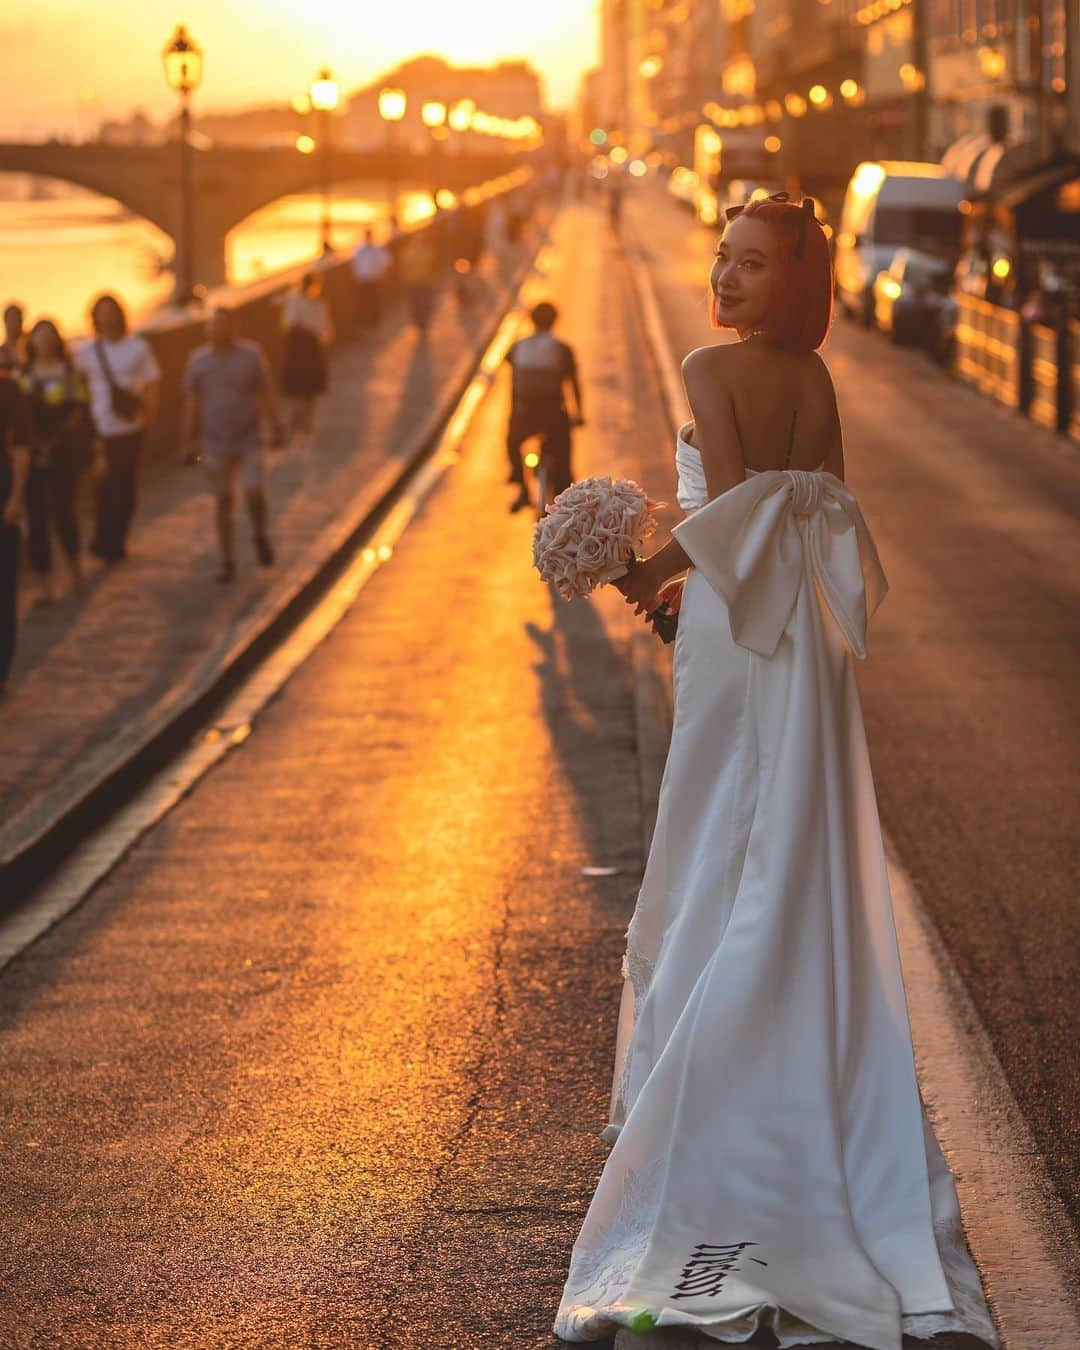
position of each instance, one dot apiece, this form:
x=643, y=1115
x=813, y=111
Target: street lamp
x=324, y=99
x=392, y=105
x=461, y=115
x=433, y=116
x=183, y=62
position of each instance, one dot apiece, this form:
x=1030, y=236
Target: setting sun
x=69, y=71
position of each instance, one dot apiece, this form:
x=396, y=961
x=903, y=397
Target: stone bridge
x=229, y=184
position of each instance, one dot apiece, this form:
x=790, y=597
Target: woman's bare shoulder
x=715, y=356
x=710, y=369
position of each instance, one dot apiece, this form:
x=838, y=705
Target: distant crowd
x=71, y=410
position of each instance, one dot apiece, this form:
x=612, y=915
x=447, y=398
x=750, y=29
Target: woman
x=60, y=452
x=309, y=330
x=124, y=379
x=772, y=1164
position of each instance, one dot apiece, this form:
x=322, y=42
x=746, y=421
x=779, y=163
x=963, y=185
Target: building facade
x=837, y=81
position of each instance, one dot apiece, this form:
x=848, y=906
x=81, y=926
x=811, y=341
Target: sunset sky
x=261, y=50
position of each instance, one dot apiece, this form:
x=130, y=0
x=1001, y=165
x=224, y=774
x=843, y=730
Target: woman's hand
x=640, y=585
x=672, y=595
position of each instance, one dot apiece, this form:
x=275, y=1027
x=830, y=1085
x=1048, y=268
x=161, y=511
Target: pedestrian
x=309, y=331
x=13, y=347
x=15, y=437
x=228, y=394
x=58, y=401
x=369, y=266
x=543, y=369
x=125, y=392
x=517, y=215
x=615, y=202
x=496, y=228
x=465, y=246
x=419, y=267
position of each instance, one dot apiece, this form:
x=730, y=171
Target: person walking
x=544, y=368
x=13, y=347
x=228, y=394
x=58, y=401
x=496, y=231
x=419, y=270
x=309, y=331
x=369, y=266
x=615, y=202
x=772, y=1164
x=125, y=391
x=16, y=433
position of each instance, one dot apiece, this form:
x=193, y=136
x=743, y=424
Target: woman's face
x=44, y=343
x=744, y=272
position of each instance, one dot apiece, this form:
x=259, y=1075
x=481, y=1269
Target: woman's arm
x=716, y=431
x=716, y=436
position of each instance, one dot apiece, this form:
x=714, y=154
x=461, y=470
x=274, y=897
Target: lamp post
x=461, y=116
x=324, y=99
x=183, y=62
x=392, y=105
x=433, y=115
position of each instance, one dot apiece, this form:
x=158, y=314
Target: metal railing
x=988, y=349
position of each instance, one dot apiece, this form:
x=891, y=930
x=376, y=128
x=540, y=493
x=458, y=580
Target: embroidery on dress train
x=600, y=1273
x=638, y=969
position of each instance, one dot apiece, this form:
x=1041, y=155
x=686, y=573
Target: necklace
x=752, y=333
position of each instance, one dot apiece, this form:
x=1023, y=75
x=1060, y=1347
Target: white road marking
x=1017, y=1228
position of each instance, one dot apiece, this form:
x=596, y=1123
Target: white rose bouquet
x=592, y=533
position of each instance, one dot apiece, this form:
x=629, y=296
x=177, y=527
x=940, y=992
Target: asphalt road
x=970, y=691
x=325, y=1061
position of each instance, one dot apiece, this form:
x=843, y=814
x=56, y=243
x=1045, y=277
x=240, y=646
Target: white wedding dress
x=772, y=1162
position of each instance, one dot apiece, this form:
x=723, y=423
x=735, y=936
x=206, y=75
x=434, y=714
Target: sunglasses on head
x=806, y=205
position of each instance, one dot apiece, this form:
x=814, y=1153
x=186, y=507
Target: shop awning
x=1003, y=163
x=961, y=159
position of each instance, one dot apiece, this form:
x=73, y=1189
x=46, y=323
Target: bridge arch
x=229, y=184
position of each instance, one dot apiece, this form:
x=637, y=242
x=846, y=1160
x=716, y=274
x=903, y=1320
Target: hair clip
x=807, y=206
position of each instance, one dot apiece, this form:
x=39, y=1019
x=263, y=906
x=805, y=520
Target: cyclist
x=543, y=367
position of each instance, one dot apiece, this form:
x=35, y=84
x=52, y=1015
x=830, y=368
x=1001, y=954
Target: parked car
x=890, y=205
x=909, y=295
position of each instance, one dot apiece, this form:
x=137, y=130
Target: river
x=56, y=254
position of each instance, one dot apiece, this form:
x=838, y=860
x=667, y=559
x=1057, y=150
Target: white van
x=890, y=205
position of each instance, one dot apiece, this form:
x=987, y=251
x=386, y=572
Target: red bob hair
x=800, y=308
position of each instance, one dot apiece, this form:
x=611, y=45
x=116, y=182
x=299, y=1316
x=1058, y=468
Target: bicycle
x=534, y=461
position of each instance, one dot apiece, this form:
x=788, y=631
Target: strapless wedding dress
x=772, y=1164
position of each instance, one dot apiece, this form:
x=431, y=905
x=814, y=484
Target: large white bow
x=757, y=542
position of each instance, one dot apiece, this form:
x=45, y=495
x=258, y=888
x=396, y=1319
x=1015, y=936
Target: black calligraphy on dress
x=709, y=1265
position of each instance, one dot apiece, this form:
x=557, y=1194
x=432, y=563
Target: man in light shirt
x=369, y=265
x=227, y=395
x=125, y=388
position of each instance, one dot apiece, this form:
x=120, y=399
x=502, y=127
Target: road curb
x=129, y=758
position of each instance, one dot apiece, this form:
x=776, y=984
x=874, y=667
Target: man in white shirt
x=370, y=264
x=125, y=390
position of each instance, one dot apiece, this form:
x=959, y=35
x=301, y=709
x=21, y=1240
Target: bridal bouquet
x=591, y=533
